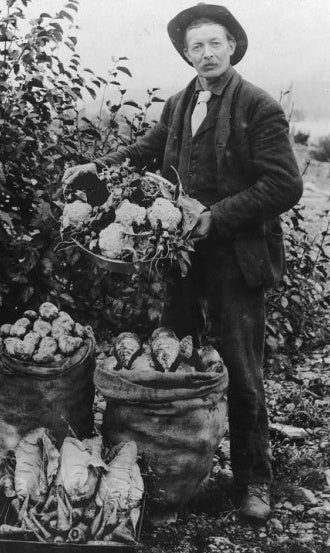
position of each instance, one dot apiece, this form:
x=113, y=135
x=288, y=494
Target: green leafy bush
x=297, y=308
x=321, y=150
x=41, y=133
x=301, y=138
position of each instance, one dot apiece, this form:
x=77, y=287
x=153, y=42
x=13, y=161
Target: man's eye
x=216, y=44
x=197, y=47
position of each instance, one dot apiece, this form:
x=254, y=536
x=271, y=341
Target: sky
x=288, y=40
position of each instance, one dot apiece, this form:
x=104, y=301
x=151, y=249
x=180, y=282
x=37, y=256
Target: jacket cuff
x=218, y=220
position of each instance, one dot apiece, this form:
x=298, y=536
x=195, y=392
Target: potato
x=32, y=338
x=10, y=345
x=24, y=321
x=60, y=328
x=32, y=315
x=43, y=356
x=48, y=311
x=79, y=330
x=5, y=330
x=18, y=330
x=69, y=344
x=49, y=344
x=24, y=350
x=43, y=328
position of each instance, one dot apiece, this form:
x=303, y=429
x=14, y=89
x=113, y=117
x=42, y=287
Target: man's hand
x=203, y=226
x=72, y=173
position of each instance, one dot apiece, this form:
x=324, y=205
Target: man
x=229, y=142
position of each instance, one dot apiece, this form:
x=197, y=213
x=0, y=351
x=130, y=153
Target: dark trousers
x=237, y=317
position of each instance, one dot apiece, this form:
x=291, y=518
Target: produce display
x=44, y=337
x=145, y=218
x=77, y=494
x=164, y=352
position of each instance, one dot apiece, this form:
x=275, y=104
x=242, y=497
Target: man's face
x=209, y=50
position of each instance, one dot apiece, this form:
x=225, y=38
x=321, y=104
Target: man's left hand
x=203, y=227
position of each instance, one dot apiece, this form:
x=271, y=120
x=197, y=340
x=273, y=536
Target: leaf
x=64, y=14
x=124, y=70
x=71, y=6
x=157, y=99
x=132, y=103
x=91, y=91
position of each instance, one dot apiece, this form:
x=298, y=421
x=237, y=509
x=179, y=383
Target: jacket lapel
x=222, y=131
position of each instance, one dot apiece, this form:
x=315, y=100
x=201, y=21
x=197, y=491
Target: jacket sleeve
x=147, y=147
x=278, y=184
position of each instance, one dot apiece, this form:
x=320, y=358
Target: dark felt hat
x=219, y=14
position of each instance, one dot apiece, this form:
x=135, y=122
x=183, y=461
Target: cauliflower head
x=164, y=211
x=75, y=213
x=129, y=213
x=112, y=241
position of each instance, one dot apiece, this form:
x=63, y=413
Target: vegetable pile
x=164, y=352
x=44, y=337
x=145, y=218
x=77, y=494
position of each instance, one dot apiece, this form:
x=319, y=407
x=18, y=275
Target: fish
x=127, y=346
x=165, y=349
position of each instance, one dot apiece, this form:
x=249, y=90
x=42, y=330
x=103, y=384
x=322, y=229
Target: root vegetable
x=110, y=364
x=8, y=531
x=36, y=465
x=63, y=515
x=32, y=315
x=24, y=350
x=10, y=344
x=115, y=483
x=78, y=472
x=123, y=533
x=48, y=311
x=5, y=330
x=48, y=344
x=210, y=359
x=127, y=345
x=18, y=330
x=43, y=328
x=32, y=338
x=43, y=356
x=77, y=535
x=79, y=330
x=136, y=489
x=165, y=348
x=24, y=321
x=69, y=344
x=143, y=363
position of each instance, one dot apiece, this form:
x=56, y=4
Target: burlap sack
x=177, y=420
x=59, y=397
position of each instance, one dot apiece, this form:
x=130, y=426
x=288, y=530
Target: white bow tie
x=200, y=111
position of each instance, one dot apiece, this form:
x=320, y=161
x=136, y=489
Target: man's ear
x=232, y=44
x=186, y=53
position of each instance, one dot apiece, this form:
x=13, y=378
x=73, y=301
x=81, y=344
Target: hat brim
x=219, y=14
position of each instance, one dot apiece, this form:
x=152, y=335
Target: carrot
x=122, y=533
x=97, y=523
x=47, y=517
x=41, y=528
x=29, y=525
x=8, y=531
x=63, y=516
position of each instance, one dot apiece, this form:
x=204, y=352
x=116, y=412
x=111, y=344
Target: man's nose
x=207, y=53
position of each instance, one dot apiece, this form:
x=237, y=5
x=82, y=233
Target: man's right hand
x=72, y=173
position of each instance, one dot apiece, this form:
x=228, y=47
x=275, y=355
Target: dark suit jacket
x=257, y=174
